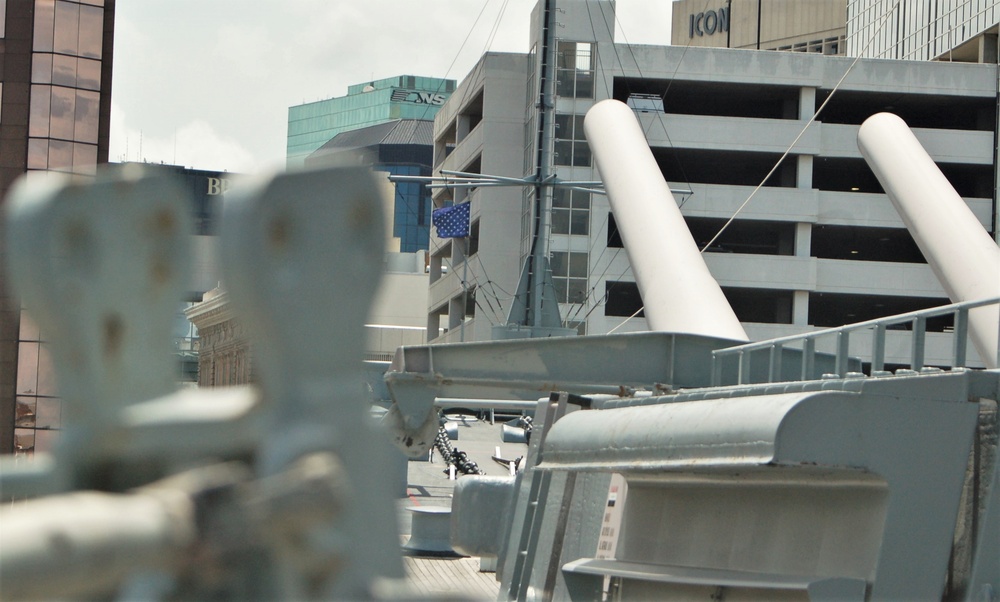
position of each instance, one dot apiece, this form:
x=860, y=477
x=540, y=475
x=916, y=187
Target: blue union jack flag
x=451, y=222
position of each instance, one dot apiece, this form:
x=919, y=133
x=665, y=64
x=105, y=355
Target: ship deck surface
x=428, y=485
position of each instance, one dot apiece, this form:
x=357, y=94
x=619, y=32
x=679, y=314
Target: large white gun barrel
x=679, y=293
x=960, y=252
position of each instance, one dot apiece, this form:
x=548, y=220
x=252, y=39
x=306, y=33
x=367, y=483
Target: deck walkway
x=428, y=485
x=442, y=577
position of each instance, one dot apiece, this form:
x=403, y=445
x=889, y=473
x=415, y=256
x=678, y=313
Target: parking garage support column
x=807, y=103
x=804, y=172
x=800, y=308
x=803, y=239
x=800, y=299
x=803, y=231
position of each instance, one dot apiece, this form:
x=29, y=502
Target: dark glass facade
x=412, y=209
x=55, y=115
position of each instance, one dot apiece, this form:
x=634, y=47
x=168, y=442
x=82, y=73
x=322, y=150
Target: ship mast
x=538, y=307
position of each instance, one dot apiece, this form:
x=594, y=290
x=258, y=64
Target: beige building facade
x=816, y=26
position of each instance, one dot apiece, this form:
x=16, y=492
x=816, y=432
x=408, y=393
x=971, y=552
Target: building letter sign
x=709, y=22
x=217, y=186
x=420, y=98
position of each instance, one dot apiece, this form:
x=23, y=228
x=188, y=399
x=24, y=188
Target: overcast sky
x=207, y=83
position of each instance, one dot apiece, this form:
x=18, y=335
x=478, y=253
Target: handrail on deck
x=916, y=319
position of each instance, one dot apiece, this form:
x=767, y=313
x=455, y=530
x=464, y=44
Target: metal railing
x=916, y=322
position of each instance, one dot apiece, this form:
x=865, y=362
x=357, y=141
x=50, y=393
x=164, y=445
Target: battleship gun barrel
x=962, y=255
x=679, y=292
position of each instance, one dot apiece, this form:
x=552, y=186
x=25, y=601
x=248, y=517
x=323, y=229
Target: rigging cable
x=803, y=131
x=812, y=119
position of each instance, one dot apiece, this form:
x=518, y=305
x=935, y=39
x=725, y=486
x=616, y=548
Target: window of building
x=473, y=238
x=726, y=167
x=569, y=276
x=614, y=236
x=63, y=130
x=570, y=212
x=470, y=116
x=755, y=237
x=622, y=299
x=645, y=103
x=38, y=409
x=894, y=245
x=438, y=265
x=764, y=306
x=917, y=110
x=579, y=325
x=571, y=146
x=717, y=99
x=66, y=81
x=412, y=209
x=470, y=302
x=837, y=309
x=575, y=69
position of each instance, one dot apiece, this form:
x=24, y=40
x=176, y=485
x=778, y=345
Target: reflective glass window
x=570, y=212
x=88, y=74
x=585, y=84
x=91, y=31
x=67, y=28
x=564, y=152
x=87, y=112
x=45, y=440
x=38, y=153
x=64, y=70
x=62, y=114
x=24, y=441
x=48, y=413
x=85, y=159
x=25, y=412
x=581, y=154
x=3, y=18
x=574, y=71
x=28, y=328
x=569, y=276
x=38, y=121
x=60, y=155
x=27, y=368
x=44, y=20
x=564, y=86
x=571, y=147
x=37, y=406
x=46, y=373
x=41, y=68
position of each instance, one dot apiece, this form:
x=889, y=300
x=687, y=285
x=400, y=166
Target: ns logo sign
x=420, y=98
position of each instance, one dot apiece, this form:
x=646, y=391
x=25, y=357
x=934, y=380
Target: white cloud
x=198, y=144
x=195, y=144
x=218, y=86
x=245, y=48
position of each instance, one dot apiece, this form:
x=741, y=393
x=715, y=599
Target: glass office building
x=55, y=85
x=946, y=30
x=313, y=124
x=411, y=220
x=401, y=147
